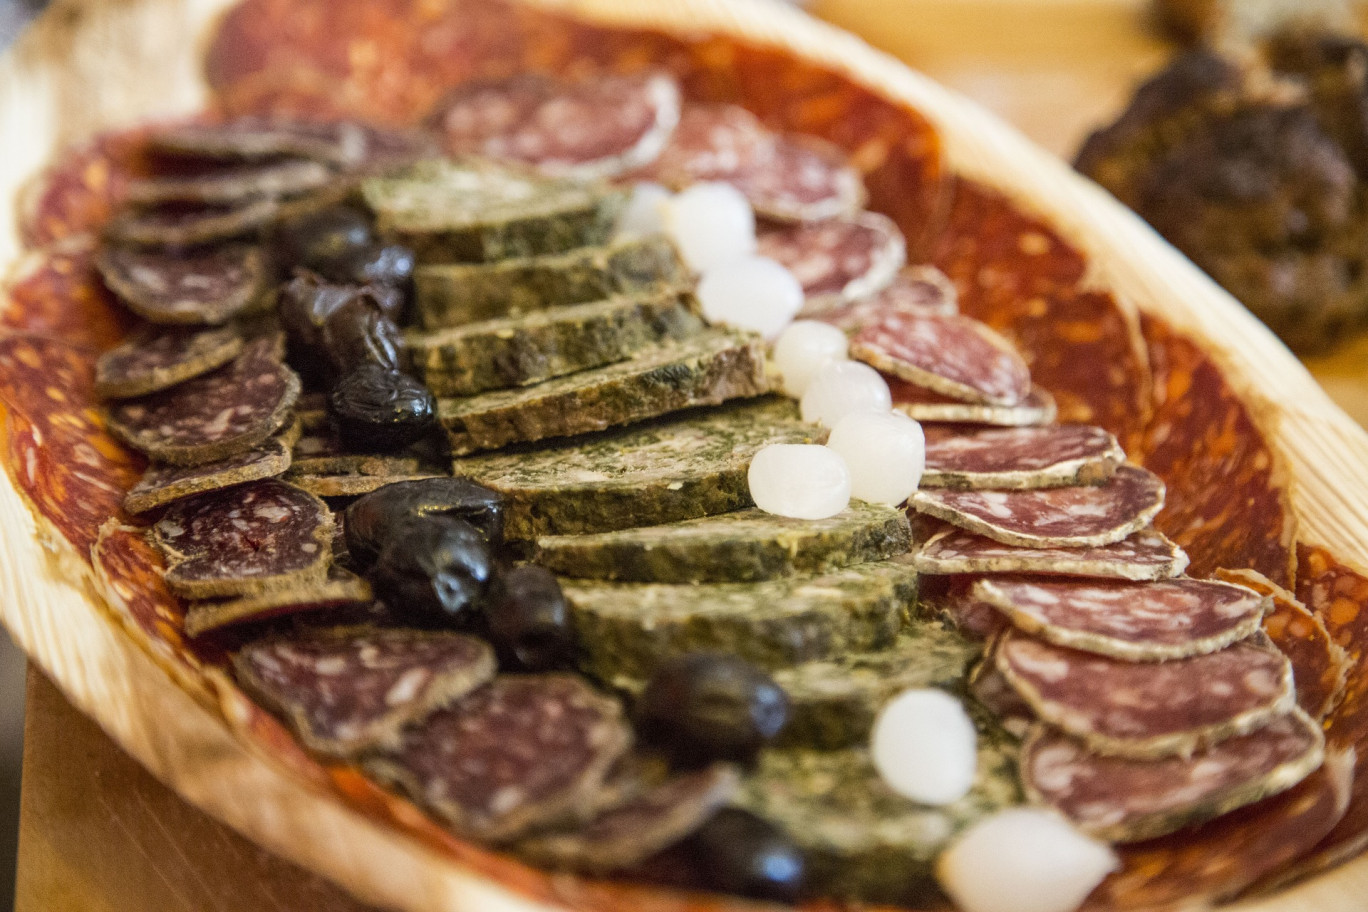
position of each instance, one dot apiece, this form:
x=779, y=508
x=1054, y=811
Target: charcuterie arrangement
x=581, y=470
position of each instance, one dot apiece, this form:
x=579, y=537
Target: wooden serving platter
x=1261, y=464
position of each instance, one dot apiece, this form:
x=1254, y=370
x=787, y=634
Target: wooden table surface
x=99, y=834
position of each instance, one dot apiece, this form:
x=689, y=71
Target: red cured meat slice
x=785, y=178
x=208, y=287
x=597, y=128
x=953, y=598
x=1169, y=619
x=152, y=361
x=1034, y=457
x=1146, y=555
x=1067, y=517
x=1152, y=709
x=954, y=356
x=523, y=752
x=839, y=260
x=1126, y=800
x=346, y=690
x=927, y=407
x=989, y=687
x=916, y=290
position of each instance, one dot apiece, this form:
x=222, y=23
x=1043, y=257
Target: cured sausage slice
x=231, y=185
x=915, y=290
x=1322, y=665
x=645, y=823
x=347, y=690
x=1054, y=456
x=341, y=590
x=1169, y=619
x=927, y=407
x=345, y=144
x=1147, y=710
x=954, y=356
x=522, y=753
x=182, y=226
x=163, y=484
x=153, y=361
x=213, y=416
x=839, y=260
x=1057, y=517
x=249, y=540
x=596, y=128
x=992, y=690
x=785, y=178
x=1146, y=555
x=952, y=598
x=194, y=288
x=1125, y=800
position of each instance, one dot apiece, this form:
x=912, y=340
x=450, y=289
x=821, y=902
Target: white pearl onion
x=1023, y=860
x=886, y=454
x=642, y=216
x=751, y=292
x=802, y=481
x=804, y=347
x=710, y=223
x=841, y=388
x=925, y=747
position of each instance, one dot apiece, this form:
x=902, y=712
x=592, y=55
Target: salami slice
x=785, y=178
x=349, y=690
x=232, y=185
x=953, y=599
x=1125, y=800
x=188, y=226
x=154, y=360
x=252, y=139
x=633, y=830
x=342, y=589
x=1322, y=665
x=213, y=416
x=523, y=753
x=352, y=474
x=838, y=260
x=1057, y=517
x=925, y=406
x=1169, y=619
x=1146, y=555
x=195, y=288
x=1054, y=456
x=954, y=356
x=164, y=484
x=1148, y=710
x=247, y=541
x=592, y=129
x=995, y=694
x=915, y=290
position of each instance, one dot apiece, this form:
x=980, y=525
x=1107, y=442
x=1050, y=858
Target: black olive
x=709, y=706
x=738, y=852
x=528, y=620
x=378, y=409
x=306, y=302
x=358, y=332
x=372, y=519
x=376, y=263
x=318, y=239
x=435, y=569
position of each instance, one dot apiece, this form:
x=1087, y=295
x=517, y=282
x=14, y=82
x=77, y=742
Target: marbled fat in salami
x=915, y=290
x=785, y=178
x=645, y=823
x=522, y=753
x=838, y=260
x=920, y=404
x=214, y=416
x=248, y=540
x=348, y=690
x=596, y=128
x=1147, y=710
x=1146, y=555
x=196, y=288
x=156, y=359
x=953, y=356
x=231, y=185
x=1065, y=517
x=1125, y=800
x=1150, y=621
x=1055, y=456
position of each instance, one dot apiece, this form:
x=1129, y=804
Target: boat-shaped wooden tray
x=1264, y=471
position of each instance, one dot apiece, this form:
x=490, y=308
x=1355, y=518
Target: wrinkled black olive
x=357, y=333
x=528, y=620
x=708, y=706
x=306, y=302
x=434, y=569
x=375, y=409
x=740, y=853
x=376, y=263
x=371, y=520
x=318, y=239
